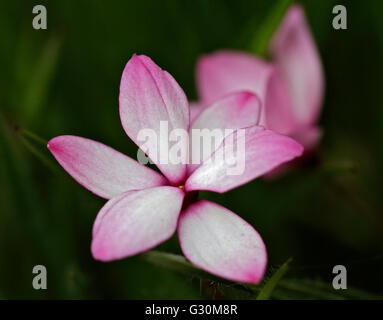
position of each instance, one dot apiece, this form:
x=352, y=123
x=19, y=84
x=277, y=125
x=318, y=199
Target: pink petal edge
x=136, y=221
x=226, y=71
x=264, y=151
x=220, y=242
x=101, y=169
x=149, y=95
x=297, y=56
x=233, y=111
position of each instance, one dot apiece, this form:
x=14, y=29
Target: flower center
x=190, y=197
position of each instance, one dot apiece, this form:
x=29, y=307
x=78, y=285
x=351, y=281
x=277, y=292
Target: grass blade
x=268, y=289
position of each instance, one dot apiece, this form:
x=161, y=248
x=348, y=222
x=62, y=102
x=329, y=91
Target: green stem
x=34, y=137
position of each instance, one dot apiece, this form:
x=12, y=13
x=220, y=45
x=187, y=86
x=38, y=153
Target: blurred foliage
x=64, y=80
x=266, y=29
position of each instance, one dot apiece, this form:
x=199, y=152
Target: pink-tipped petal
x=135, y=222
x=256, y=152
x=220, y=242
x=149, y=96
x=297, y=57
x=224, y=72
x=308, y=136
x=101, y=169
x=278, y=107
x=236, y=110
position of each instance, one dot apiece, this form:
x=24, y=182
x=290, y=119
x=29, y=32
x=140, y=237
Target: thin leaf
x=34, y=137
x=265, y=32
x=317, y=289
x=273, y=281
x=179, y=264
x=38, y=154
x=25, y=136
x=309, y=292
x=38, y=85
x=275, y=287
x=176, y=263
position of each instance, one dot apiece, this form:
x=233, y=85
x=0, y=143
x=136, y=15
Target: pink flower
x=290, y=88
x=145, y=208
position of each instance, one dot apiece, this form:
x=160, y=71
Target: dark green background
x=65, y=80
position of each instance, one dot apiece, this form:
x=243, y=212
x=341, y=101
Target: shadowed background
x=65, y=80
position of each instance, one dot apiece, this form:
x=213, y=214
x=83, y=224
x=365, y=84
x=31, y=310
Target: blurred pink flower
x=145, y=208
x=291, y=87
